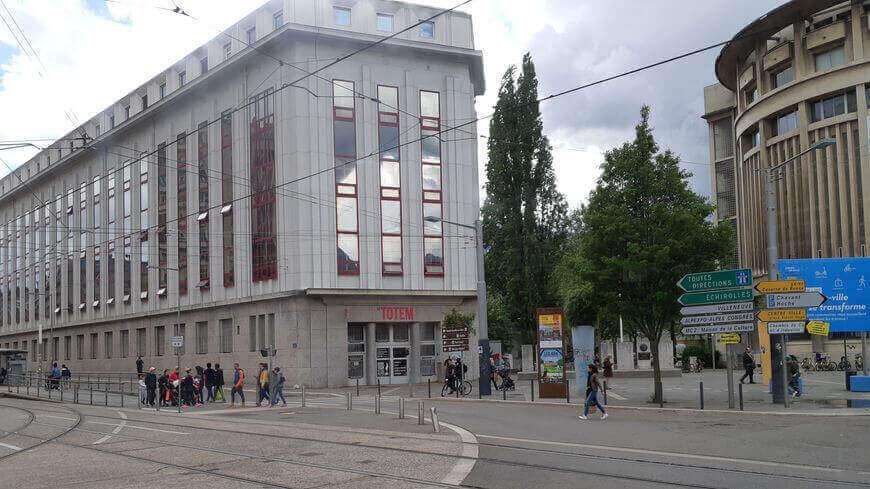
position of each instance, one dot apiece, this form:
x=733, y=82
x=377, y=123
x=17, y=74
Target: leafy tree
x=643, y=228
x=524, y=215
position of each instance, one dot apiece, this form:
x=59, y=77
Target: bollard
x=377, y=404
x=435, y=424
x=92, y=396
x=138, y=401
x=420, y=408
x=61, y=392
x=429, y=385
x=349, y=401
x=379, y=387
x=76, y=394
x=303, y=395
x=401, y=408
x=740, y=391
x=37, y=387
x=357, y=387
x=178, y=399
x=567, y=391
x=122, y=398
x=411, y=390
x=532, y=385
x=504, y=394
x=605, y=392
x=107, y=395
x=702, y=394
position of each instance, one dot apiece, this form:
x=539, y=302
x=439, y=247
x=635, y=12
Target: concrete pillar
x=857, y=33
x=371, y=371
x=414, y=359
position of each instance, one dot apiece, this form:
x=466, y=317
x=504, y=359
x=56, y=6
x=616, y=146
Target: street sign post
x=739, y=317
x=818, y=328
x=774, y=286
x=718, y=308
x=715, y=297
x=721, y=279
x=730, y=338
x=779, y=315
x=177, y=341
x=719, y=328
x=795, y=300
x=785, y=327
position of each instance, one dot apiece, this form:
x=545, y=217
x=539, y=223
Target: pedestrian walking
x=608, y=367
x=748, y=365
x=209, y=382
x=276, y=386
x=238, y=385
x=592, y=386
x=219, y=383
x=187, y=389
x=142, y=389
x=263, y=384
x=198, y=384
x=163, y=387
x=151, y=386
x=140, y=365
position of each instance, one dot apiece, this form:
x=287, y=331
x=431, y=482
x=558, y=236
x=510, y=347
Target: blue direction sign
x=719, y=279
x=846, y=284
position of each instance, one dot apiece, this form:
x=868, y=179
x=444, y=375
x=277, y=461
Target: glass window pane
x=382, y=333
x=346, y=212
x=390, y=174
x=345, y=174
x=431, y=149
x=341, y=15
x=427, y=332
x=392, y=216
x=839, y=105
x=828, y=107
x=431, y=177
x=851, y=104
x=392, y=249
x=388, y=142
x=342, y=92
x=348, y=253
x=427, y=29
x=817, y=111
x=434, y=254
x=429, y=105
x=400, y=333
x=431, y=210
x=385, y=23
x=389, y=96
x=345, y=138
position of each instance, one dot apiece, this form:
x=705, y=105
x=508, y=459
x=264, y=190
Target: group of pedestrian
x=193, y=387
x=270, y=386
x=57, y=375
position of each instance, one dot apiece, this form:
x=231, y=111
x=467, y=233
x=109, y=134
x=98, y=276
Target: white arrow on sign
x=717, y=308
x=786, y=327
x=719, y=328
x=795, y=300
x=738, y=317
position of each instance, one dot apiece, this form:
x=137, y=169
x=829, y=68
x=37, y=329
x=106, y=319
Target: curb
x=13, y=395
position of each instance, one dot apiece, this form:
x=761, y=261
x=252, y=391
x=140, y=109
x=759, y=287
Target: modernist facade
x=797, y=75
x=239, y=202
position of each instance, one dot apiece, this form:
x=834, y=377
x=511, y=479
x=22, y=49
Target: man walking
x=748, y=365
x=140, y=365
x=238, y=385
x=263, y=384
x=276, y=387
x=592, y=386
x=219, y=383
x=150, y=386
x=208, y=380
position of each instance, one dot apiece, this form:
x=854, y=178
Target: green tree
x=524, y=215
x=643, y=228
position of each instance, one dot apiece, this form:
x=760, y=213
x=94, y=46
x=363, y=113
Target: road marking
x=616, y=396
x=465, y=465
x=116, y=424
x=675, y=454
x=115, y=431
x=11, y=447
x=813, y=381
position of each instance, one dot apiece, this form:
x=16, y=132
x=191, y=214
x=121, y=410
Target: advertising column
x=551, y=354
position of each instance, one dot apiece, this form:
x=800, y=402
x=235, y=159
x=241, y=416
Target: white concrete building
x=213, y=187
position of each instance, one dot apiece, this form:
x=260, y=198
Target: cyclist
x=450, y=374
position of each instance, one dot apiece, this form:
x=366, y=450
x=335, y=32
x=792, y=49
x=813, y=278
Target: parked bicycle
x=463, y=386
x=844, y=364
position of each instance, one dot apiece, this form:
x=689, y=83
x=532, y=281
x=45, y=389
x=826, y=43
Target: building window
x=252, y=333
x=385, y=22
x=830, y=59
x=128, y=202
x=750, y=94
x=144, y=101
x=141, y=338
x=80, y=347
x=723, y=144
x=95, y=345
x=67, y=347
x=344, y=144
x=182, y=78
x=251, y=35
x=785, y=123
x=96, y=131
x=427, y=30
x=228, y=50
x=111, y=122
x=782, y=77
x=226, y=335
x=833, y=106
x=430, y=125
x=125, y=343
x=127, y=270
x=162, y=90
x=202, y=153
x=181, y=165
x=341, y=15
x=278, y=19
x=97, y=277
x=227, y=197
x=725, y=189
x=202, y=337
x=203, y=65
x=391, y=199
x=162, y=250
x=427, y=349
x=126, y=113
x=108, y=344
x=144, y=255
x=159, y=340
x=356, y=349
x=110, y=274
x=262, y=137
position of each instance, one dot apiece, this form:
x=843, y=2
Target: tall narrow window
x=127, y=270
x=144, y=251
x=263, y=239
x=83, y=246
x=227, y=197
x=344, y=144
x=25, y=284
x=181, y=165
x=97, y=283
x=128, y=210
x=110, y=228
x=110, y=274
x=433, y=241
x=202, y=218
x=391, y=198
x=159, y=340
x=128, y=203
x=162, y=251
x=70, y=211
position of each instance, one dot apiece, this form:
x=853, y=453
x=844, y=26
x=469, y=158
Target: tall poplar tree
x=524, y=216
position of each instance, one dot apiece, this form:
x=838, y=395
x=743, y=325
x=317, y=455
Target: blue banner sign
x=846, y=284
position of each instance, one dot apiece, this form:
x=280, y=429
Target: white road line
x=11, y=447
x=676, y=455
x=469, y=453
x=813, y=381
x=616, y=396
x=114, y=431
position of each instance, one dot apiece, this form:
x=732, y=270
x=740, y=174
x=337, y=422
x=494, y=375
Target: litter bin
x=849, y=374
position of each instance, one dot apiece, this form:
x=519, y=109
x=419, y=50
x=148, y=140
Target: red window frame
x=202, y=185
x=433, y=125
x=181, y=178
x=342, y=113
x=389, y=117
x=162, y=251
x=263, y=195
x=229, y=272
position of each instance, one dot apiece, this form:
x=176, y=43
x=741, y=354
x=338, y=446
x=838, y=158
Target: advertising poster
x=552, y=365
x=845, y=282
x=550, y=326
x=551, y=354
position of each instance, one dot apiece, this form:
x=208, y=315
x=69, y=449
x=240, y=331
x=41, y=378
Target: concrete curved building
x=795, y=76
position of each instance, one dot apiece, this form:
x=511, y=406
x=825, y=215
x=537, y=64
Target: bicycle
x=464, y=389
x=808, y=365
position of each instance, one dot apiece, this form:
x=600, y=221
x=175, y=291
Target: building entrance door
x=393, y=353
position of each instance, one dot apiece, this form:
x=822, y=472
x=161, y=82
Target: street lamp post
x=778, y=350
x=482, y=328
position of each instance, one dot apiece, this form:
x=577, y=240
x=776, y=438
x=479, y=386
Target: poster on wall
x=551, y=354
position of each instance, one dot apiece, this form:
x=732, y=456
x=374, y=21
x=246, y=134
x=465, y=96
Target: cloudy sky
x=572, y=42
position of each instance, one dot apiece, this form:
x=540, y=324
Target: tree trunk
x=658, y=395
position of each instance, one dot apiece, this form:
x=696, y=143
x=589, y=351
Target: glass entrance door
x=393, y=353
